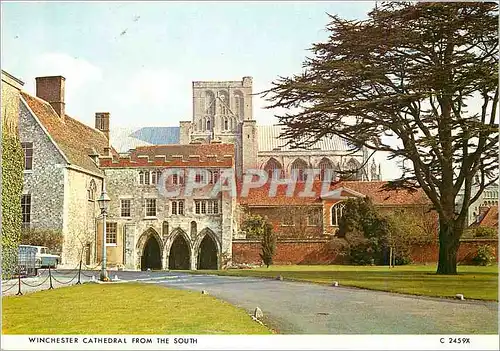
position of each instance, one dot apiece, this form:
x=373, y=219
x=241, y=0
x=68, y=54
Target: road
x=303, y=308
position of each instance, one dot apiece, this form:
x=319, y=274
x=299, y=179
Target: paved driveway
x=302, y=308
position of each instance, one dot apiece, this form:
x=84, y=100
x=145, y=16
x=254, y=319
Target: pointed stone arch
x=179, y=251
x=150, y=250
x=208, y=250
x=325, y=166
x=271, y=165
x=298, y=169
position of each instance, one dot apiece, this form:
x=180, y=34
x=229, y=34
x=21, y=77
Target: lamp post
x=103, y=205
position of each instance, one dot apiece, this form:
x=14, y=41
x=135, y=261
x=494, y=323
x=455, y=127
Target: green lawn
x=123, y=309
x=472, y=281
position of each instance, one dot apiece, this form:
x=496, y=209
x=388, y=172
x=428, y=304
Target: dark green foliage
x=258, y=227
x=12, y=185
x=366, y=231
x=409, y=71
x=53, y=239
x=484, y=256
x=485, y=232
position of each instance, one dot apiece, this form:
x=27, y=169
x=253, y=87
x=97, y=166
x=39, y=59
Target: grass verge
x=123, y=309
x=474, y=282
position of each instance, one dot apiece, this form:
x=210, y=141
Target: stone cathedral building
x=155, y=219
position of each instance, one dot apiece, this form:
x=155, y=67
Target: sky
x=137, y=60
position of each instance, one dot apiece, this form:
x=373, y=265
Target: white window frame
x=121, y=206
x=146, y=207
x=116, y=233
x=339, y=205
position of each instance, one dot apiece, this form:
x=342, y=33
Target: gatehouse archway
x=151, y=254
x=207, y=254
x=179, y=256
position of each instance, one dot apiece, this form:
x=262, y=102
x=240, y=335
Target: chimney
x=51, y=89
x=102, y=122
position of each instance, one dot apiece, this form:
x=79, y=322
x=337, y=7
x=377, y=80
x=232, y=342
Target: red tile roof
x=73, y=138
x=190, y=155
x=490, y=219
x=379, y=196
x=260, y=196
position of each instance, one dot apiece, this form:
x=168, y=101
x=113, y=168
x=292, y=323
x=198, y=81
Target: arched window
x=239, y=105
x=336, y=213
x=223, y=102
x=299, y=167
x=91, y=191
x=210, y=102
x=208, y=125
x=165, y=228
x=226, y=124
x=325, y=169
x=271, y=168
x=194, y=229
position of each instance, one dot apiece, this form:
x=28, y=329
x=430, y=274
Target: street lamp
x=103, y=205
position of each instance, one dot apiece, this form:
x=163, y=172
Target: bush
x=484, y=256
x=259, y=228
x=51, y=238
x=485, y=232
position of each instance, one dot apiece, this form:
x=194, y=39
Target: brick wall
x=289, y=252
x=327, y=251
x=466, y=252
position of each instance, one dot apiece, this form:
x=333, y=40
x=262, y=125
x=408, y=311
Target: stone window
x=287, y=220
x=337, y=211
x=299, y=167
x=200, y=176
x=125, y=207
x=206, y=206
x=177, y=179
x=91, y=191
x=26, y=210
x=150, y=207
x=144, y=177
x=325, y=169
x=271, y=166
x=154, y=177
x=213, y=176
x=111, y=233
x=177, y=207
x=28, y=156
x=313, y=219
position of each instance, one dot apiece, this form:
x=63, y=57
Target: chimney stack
x=51, y=89
x=102, y=122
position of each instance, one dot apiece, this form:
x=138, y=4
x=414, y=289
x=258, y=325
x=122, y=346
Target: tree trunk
x=449, y=242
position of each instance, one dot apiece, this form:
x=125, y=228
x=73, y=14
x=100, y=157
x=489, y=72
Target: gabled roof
x=490, y=219
x=374, y=190
x=74, y=139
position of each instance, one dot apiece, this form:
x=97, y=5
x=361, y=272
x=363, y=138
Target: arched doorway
x=179, y=254
x=207, y=253
x=151, y=255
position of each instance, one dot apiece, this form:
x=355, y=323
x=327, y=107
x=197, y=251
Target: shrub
x=259, y=228
x=51, y=238
x=485, y=232
x=484, y=256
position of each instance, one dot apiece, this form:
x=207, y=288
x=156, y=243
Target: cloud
x=79, y=73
